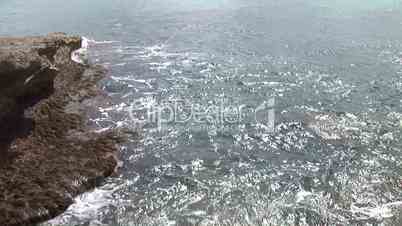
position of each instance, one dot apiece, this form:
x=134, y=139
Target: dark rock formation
x=47, y=153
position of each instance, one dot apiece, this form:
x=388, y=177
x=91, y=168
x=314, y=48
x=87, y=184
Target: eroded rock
x=47, y=153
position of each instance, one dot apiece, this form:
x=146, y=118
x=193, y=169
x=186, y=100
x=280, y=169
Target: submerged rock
x=334, y=126
x=48, y=155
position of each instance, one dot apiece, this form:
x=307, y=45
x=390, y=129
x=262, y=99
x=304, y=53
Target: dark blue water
x=324, y=149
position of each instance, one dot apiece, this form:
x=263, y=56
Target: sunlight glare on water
x=333, y=69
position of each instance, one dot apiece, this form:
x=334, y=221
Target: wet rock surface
x=48, y=154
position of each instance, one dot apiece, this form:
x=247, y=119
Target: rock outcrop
x=48, y=154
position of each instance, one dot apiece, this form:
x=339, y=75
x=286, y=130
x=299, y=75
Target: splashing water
x=333, y=72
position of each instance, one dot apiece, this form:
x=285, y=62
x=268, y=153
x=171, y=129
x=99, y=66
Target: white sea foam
x=379, y=212
x=81, y=55
x=89, y=204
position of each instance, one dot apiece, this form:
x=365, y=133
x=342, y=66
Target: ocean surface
x=250, y=112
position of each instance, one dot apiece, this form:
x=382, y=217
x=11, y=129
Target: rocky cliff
x=48, y=154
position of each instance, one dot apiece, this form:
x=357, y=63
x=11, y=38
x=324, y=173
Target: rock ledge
x=48, y=155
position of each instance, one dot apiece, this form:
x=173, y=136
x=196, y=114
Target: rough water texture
x=333, y=67
x=48, y=154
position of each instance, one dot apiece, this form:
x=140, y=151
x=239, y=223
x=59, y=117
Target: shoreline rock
x=48, y=154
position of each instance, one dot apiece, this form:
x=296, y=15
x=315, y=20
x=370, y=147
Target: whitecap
x=378, y=212
x=81, y=55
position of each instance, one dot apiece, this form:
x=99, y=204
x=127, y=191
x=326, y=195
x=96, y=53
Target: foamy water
x=332, y=70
